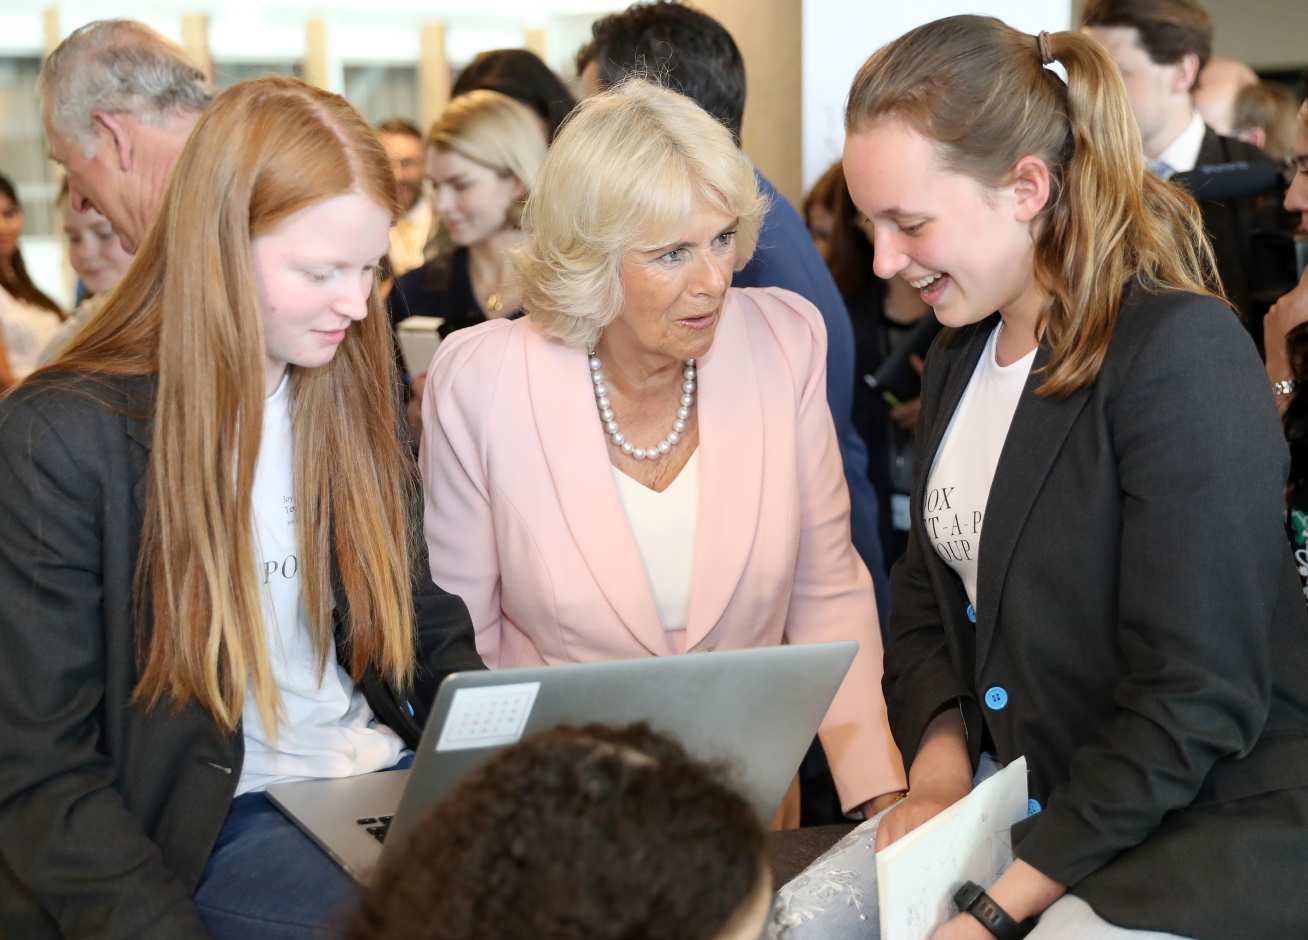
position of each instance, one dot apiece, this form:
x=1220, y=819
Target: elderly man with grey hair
x=118, y=102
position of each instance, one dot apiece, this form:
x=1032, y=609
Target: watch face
x=986, y=911
x=967, y=894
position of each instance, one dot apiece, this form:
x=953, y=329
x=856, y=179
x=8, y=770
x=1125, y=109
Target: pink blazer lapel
x=576, y=453
x=730, y=415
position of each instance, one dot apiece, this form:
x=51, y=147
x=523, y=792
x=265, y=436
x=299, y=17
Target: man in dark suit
x=1160, y=47
x=692, y=53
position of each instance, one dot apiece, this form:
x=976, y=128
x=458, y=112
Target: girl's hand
x=921, y=804
x=961, y=927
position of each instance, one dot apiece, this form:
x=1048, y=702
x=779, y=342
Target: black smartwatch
x=972, y=899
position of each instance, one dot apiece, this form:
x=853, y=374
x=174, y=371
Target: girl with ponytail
x=211, y=576
x=1096, y=576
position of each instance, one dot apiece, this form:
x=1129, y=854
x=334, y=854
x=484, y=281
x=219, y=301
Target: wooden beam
x=433, y=74
x=51, y=34
x=770, y=35
x=316, y=69
x=195, y=40
x=537, y=41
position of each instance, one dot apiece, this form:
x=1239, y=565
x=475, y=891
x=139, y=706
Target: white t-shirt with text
x=326, y=727
x=958, y=488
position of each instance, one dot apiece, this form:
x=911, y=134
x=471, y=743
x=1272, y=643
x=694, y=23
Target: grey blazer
x=1139, y=630
x=108, y=811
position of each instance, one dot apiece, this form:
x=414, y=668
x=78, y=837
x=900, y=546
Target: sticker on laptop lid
x=487, y=717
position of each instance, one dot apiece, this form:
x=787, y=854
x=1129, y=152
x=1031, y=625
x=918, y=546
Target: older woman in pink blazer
x=646, y=465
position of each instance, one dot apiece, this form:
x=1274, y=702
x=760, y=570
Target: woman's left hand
x=961, y=927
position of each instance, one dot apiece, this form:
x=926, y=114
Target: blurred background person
x=482, y=157
x=118, y=102
x=97, y=258
x=1285, y=339
x=1266, y=115
x=884, y=315
x=28, y=317
x=593, y=832
x=650, y=437
x=818, y=214
x=1160, y=47
x=1220, y=82
x=413, y=230
x=520, y=74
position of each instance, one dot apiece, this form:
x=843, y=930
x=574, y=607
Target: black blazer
x=1231, y=225
x=440, y=288
x=1139, y=630
x=108, y=811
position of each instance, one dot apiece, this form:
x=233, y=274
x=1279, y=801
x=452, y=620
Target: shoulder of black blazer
x=98, y=411
x=1217, y=148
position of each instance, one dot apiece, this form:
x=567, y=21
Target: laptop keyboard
x=376, y=826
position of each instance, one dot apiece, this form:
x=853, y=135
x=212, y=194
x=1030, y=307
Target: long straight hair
x=20, y=285
x=187, y=311
x=980, y=90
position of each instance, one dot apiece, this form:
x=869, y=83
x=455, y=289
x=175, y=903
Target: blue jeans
x=267, y=880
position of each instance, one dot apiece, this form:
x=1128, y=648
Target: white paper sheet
x=918, y=875
x=487, y=717
x=418, y=341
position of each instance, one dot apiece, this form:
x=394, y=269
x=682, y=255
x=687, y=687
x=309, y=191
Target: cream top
x=664, y=527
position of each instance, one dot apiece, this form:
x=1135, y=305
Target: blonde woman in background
x=209, y=577
x=482, y=157
x=97, y=257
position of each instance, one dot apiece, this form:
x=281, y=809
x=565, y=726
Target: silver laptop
x=755, y=709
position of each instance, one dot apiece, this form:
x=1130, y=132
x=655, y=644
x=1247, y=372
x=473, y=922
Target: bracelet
x=1283, y=387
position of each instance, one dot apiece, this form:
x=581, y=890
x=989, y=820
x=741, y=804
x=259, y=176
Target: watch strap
x=972, y=899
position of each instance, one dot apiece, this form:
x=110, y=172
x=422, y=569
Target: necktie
x=1160, y=169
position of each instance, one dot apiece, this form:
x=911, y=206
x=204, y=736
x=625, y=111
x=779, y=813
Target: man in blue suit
x=692, y=53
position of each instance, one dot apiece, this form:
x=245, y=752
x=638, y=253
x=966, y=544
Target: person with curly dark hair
x=593, y=833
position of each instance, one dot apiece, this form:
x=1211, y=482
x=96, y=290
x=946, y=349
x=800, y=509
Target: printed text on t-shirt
x=954, y=535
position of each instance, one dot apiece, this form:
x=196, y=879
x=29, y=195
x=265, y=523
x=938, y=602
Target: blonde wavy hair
x=187, y=312
x=979, y=89
x=625, y=171
x=495, y=131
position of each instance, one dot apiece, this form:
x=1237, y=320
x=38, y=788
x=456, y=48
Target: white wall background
x=839, y=36
x=1265, y=33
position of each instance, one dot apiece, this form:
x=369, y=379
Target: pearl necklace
x=615, y=435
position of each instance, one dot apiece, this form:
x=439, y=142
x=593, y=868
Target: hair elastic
x=1042, y=43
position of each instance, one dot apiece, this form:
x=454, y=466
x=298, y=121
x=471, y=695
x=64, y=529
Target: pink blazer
x=524, y=522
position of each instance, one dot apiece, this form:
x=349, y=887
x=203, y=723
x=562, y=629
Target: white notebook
x=418, y=341
x=918, y=875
